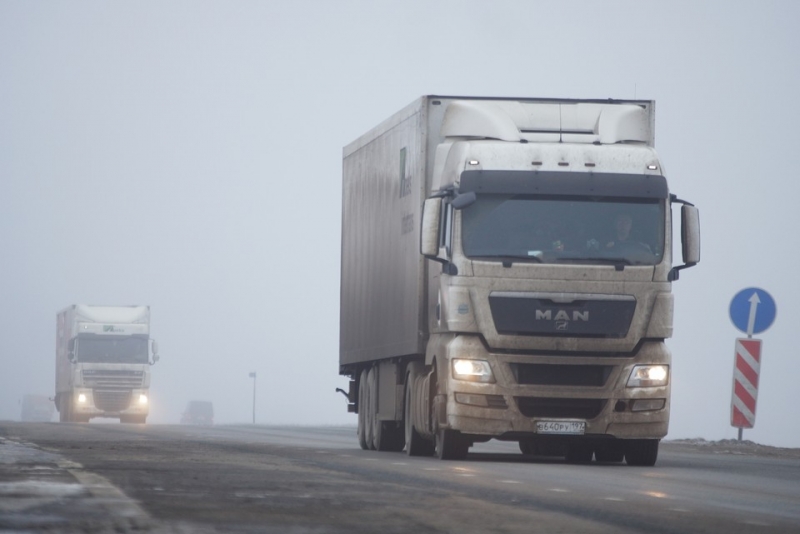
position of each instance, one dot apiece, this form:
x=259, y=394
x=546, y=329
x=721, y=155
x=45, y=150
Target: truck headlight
x=81, y=398
x=643, y=376
x=472, y=370
x=142, y=399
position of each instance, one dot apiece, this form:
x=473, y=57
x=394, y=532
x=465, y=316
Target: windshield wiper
x=509, y=259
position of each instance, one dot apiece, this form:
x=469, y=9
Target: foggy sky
x=187, y=155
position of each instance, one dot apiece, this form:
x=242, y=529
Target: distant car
x=198, y=413
x=37, y=408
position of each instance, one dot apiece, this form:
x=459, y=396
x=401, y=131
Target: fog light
x=81, y=398
x=648, y=405
x=142, y=399
x=471, y=399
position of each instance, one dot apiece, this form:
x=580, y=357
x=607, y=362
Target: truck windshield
x=112, y=349
x=564, y=229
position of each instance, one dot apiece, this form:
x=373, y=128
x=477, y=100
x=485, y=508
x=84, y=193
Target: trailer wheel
x=641, y=452
x=362, y=409
x=371, y=414
x=416, y=445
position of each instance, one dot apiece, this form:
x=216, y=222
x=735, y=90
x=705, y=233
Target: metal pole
x=740, y=433
x=254, y=398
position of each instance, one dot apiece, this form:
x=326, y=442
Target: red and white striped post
x=746, y=367
x=752, y=311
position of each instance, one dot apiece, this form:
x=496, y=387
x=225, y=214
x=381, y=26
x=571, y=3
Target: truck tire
x=416, y=445
x=371, y=414
x=641, y=452
x=64, y=410
x=362, y=409
x=451, y=445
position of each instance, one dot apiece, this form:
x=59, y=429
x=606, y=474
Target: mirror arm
x=674, y=198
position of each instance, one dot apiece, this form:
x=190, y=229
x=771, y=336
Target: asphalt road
x=57, y=477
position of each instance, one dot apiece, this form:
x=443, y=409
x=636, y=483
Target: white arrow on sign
x=751, y=321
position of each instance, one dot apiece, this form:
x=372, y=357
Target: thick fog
x=187, y=156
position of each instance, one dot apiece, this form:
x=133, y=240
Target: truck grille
x=561, y=375
x=537, y=314
x=556, y=407
x=112, y=401
x=112, y=378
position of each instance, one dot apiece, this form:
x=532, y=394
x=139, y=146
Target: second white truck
x=103, y=359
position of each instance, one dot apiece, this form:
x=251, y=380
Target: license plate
x=560, y=427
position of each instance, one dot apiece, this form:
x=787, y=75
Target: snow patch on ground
x=731, y=446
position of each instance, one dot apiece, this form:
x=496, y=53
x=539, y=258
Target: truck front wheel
x=416, y=445
x=65, y=408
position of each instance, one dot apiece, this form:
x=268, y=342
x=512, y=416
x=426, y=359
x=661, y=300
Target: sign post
x=752, y=311
x=253, y=376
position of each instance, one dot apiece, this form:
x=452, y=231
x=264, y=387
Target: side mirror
x=464, y=200
x=429, y=237
x=154, y=348
x=690, y=238
x=690, y=234
x=71, y=350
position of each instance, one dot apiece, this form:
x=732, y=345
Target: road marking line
x=558, y=490
x=431, y=468
x=511, y=482
x=615, y=499
x=399, y=463
x=113, y=499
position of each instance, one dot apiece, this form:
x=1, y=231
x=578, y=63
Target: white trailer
x=506, y=273
x=103, y=363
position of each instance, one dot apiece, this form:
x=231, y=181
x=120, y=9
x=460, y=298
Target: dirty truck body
x=506, y=273
x=103, y=363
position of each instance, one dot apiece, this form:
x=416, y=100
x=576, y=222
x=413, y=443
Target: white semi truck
x=103, y=363
x=506, y=273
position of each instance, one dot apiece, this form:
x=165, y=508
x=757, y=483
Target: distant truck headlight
x=143, y=399
x=472, y=370
x=81, y=398
x=643, y=376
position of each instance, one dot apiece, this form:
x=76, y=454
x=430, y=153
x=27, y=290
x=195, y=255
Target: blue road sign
x=752, y=310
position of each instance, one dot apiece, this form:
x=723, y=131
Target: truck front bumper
x=110, y=403
x=507, y=408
